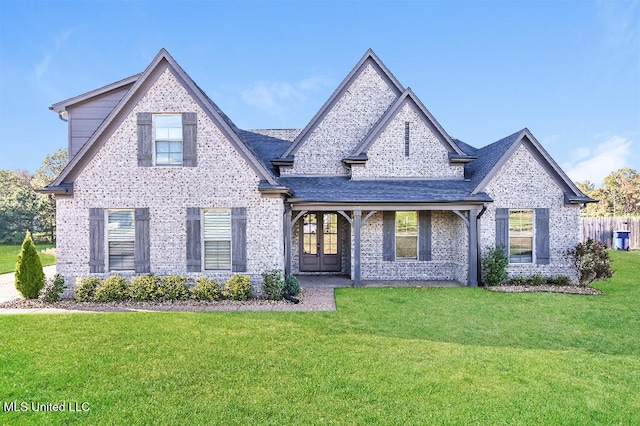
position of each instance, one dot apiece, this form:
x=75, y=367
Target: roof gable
x=407, y=97
x=493, y=157
x=369, y=58
x=143, y=82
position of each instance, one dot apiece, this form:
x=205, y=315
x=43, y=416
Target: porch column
x=287, y=241
x=357, y=224
x=473, y=249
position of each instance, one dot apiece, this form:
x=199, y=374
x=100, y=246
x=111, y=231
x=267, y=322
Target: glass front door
x=320, y=243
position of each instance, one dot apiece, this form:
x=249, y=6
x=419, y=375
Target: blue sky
x=567, y=70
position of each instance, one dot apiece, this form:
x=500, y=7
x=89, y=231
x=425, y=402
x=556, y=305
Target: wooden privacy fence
x=601, y=229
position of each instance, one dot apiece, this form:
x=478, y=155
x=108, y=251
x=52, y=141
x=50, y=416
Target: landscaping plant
x=237, y=287
x=111, y=289
x=592, y=261
x=205, y=289
x=494, y=266
x=173, y=287
x=29, y=278
x=143, y=287
x=291, y=286
x=272, y=284
x=53, y=289
x=86, y=288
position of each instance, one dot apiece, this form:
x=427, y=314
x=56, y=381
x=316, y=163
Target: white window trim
x=153, y=139
x=202, y=239
x=533, y=237
x=395, y=240
x=107, y=241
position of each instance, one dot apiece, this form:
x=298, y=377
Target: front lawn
x=9, y=255
x=387, y=356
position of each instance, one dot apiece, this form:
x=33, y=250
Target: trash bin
x=621, y=240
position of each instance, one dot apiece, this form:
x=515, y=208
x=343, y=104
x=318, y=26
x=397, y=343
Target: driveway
x=8, y=288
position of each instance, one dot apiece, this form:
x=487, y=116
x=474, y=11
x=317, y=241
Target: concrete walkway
x=8, y=287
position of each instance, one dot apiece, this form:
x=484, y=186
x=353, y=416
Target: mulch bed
x=567, y=289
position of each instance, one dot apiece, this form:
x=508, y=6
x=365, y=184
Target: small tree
x=29, y=273
x=591, y=260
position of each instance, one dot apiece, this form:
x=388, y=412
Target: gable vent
x=406, y=138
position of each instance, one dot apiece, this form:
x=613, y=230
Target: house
x=161, y=181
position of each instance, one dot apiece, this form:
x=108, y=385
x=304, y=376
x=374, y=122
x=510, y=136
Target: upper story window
x=521, y=236
x=168, y=139
x=407, y=235
x=121, y=232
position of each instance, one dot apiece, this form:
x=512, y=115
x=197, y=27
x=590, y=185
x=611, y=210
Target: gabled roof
x=493, y=157
x=369, y=58
x=407, y=97
x=63, y=105
x=142, y=83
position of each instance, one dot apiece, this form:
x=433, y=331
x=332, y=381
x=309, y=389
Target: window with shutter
x=168, y=139
x=217, y=239
x=520, y=236
x=407, y=235
x=121, y=239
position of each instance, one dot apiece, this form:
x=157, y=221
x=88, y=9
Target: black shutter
x=424, y=238
x=388, y=235
x=502, y=228
x=145, y=140
x=189, y=139
x=238, y=239
x=194, y=249
x=542, y=236
x=142, y=253
x=96, y=240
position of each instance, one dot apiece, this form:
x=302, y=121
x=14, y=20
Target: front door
x=320, y=245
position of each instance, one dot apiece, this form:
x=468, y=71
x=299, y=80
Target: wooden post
x=287, y=241
x=473, y=248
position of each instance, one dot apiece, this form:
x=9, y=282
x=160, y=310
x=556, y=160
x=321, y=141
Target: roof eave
x=63, y=189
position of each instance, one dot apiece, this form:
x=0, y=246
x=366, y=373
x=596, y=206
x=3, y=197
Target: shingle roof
x=268, y=144
x=333, y=189
x=488, y=156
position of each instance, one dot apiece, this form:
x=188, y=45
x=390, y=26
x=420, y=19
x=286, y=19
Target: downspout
x=479, y=261
x=60, y=115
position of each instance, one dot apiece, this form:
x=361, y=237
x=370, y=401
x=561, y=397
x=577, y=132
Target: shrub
x=238, y=287
x=53, y=289
x=29, y=277
x=205, y=289
x=591, y=261
x=495, y=266
x=86, y=288
x=519, y=280
x=538, y=279
x=272, y=284
x=560, y=280
x=173, y=287
x=143, y=287
x=111, y=289
x=291, y=286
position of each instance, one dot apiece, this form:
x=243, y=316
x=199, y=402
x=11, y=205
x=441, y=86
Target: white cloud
x=40, y=69
x=278, y=96
x=596, y=164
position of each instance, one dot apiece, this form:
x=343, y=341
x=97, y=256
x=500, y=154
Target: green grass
x=9, y=255
x=387, y=356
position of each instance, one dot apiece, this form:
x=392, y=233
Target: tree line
x=22, y=209
x=618, y=196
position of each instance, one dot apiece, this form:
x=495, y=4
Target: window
x=121, y=230
x=217, y=240
x=168, y=139
x=406, y=235
x=520, y=236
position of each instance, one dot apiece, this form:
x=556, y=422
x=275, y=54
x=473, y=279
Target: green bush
x=173, y=287
x=537, y=279
x=561, y=280
x=494, y=266
x=143, y=287
x=111, y=289
x=29, y=276
x=86, y=288
x=205, y=289
x=591, y=261
x=291, y=286
x=53, y=289
x=238, y=287
x=272, y=284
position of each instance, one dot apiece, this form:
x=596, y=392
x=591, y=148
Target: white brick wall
x=348, y=122
x=112, y=179
x=428, y=158
x=523, y=183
